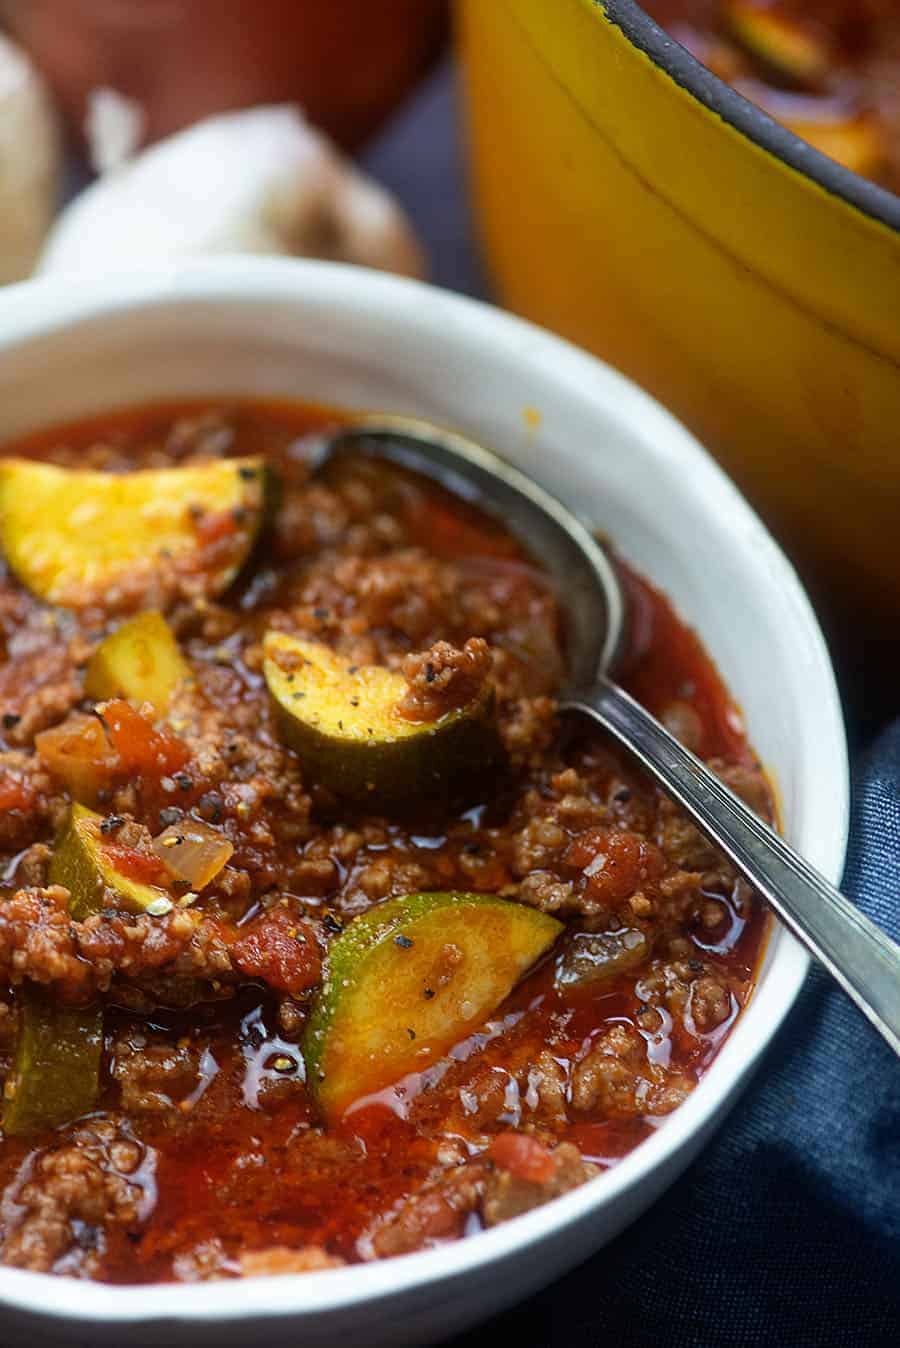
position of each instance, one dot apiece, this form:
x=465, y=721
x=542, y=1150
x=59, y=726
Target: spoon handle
x=863, y=960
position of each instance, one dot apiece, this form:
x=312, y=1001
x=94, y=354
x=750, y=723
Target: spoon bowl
x=594, y=605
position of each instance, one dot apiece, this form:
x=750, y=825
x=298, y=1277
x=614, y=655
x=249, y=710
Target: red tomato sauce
x=203, y=1077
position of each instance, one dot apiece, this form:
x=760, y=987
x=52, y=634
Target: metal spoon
x=863, y=960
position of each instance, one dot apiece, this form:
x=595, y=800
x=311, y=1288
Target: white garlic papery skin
x=258, y=181
x=30, y=163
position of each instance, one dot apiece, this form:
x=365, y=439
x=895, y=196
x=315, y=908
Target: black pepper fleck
x=404, y=942
x=211, y=807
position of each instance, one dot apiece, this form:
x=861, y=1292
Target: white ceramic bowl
x=361, y=340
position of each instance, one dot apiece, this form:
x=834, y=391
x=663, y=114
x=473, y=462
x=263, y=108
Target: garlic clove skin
x=257, y=181
x=30, y=163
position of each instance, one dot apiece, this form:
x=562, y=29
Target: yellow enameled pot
x=633, y=202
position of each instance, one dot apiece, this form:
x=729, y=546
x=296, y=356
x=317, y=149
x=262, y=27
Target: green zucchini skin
x=449, y=761
x=141, y=526
x=140, y=661
x=340, y=721
x=56, y=1070
x=386, y=1008
x=79, y=864
x=57, y=1064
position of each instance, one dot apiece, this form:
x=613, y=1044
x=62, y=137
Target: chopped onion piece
x=193, y=851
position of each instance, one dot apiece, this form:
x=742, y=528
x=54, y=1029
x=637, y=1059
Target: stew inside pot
x=829, y=70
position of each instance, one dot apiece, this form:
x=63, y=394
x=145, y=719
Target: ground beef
x=442, y=679
x=542, y=890
x=517, y=1175
x=279, y=1259
x=31, y=806
x=154, y=1077
x=204, y=1262
x=527, y=727
x=205, y=1006
x=527, y=1089
x=527, y=1175
x=59, y=1210
x=710, y=1004
x=39, y=941
x=617, y=1079
x=437, y=1212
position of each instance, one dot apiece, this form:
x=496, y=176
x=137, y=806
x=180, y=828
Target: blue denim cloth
x=786, y=1233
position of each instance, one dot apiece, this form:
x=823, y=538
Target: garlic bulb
x=257, y=181
x=29, y=163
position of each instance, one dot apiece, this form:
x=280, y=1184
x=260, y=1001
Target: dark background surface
x=420, y=157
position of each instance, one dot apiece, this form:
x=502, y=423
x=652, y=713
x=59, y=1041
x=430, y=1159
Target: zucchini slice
x=855, y=141
x=786, y=47
x=409, y=979
x=140, y=661
x=79, y=537
x=85, y=862
x=56, y=1072
x=343, y=722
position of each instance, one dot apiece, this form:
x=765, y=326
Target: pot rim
x=648, y=37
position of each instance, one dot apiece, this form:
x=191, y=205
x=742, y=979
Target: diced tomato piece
x=281, y=950
x=523, y=1156
x=211, y=528
x=90, y=754
x=141, y=866
x=140, y=748
x=615, y=863
x=15, y=794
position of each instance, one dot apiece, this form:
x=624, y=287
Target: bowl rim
x=644, y=33
x=50, y=305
